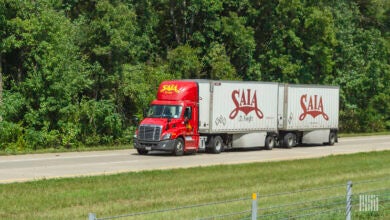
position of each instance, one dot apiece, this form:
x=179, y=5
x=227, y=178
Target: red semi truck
x=207, y=115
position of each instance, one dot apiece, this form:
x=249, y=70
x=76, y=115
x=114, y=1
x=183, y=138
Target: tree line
x=75, y=72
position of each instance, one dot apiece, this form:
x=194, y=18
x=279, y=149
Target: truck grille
x=149, y=132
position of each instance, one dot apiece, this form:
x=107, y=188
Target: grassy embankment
x=74, y=198
x=363, y=134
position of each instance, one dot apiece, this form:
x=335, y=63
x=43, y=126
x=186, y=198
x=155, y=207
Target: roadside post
x=92, y=216
x=349, y=201
x=254, y=206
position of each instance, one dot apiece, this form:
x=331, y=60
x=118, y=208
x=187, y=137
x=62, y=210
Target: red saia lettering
x=245, y=103
x=312, y=106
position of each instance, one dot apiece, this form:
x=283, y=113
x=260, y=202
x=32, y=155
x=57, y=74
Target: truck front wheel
x=142, y=151
x=179, y=147
x=216, y=145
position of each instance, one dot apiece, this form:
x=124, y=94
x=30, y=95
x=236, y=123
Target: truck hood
x=154, y=121
x=174, y=124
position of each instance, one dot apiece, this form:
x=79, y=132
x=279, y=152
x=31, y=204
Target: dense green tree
x=217, y=61
x=107, y=35
x=3, y=25
x=373, y=13
x=76, y=72
x=50, y=75
x=301, y=47
x=141, y=83
x=183, y=62
x=239, y=41
x=362, y=70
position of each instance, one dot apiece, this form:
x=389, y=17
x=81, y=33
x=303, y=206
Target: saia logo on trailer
x=312, y=106
x=245, y=103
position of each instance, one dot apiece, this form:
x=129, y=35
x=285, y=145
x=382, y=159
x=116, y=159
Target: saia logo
x=169, y=89
x=245, y=102
x=312, y=106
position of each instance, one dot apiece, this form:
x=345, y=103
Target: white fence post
x=348, y=208
x=254, y=206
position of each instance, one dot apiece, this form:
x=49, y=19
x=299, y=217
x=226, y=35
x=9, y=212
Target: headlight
x=166, y=136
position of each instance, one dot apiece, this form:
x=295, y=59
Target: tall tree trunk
x=174, y=23
x=185, y=21
x=1, y=85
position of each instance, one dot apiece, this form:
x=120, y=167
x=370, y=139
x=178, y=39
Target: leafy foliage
x=76, y=72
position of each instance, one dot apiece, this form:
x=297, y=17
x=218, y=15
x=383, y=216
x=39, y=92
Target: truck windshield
x=164, y=111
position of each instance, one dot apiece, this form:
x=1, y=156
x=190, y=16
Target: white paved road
x=55, y=165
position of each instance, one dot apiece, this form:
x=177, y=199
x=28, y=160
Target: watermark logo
x=245, y=102
x=368, y=203
x=313, y=106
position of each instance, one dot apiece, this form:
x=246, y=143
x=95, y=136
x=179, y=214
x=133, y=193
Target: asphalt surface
x=56, y=165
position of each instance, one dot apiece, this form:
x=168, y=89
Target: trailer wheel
x=332, y=138
x=216, y=145
x=269, y=142
x=142, y=151
x=179, y=147
x=289, y=140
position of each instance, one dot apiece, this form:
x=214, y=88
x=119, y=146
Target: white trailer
x=258, y=114
x=242, y=113
x=308, y=114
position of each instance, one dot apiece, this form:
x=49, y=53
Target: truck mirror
x=144, y=113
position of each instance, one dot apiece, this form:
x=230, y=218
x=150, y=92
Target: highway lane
x=55, y=165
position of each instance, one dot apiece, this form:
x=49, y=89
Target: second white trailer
x=307, y=114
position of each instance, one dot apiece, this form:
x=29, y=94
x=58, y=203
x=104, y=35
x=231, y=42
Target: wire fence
x=362, y=199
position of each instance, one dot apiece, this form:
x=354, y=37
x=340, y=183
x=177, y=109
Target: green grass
x=75, y=149
x=364, y=134
x=110, y=195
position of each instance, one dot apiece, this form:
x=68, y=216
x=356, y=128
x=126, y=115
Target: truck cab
x=171, y=122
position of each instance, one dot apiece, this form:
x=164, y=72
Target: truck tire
x=142, y=151
x=332, y=138
x=216, y=145
x=179, y=147
x=269, y=142
x=289, y=140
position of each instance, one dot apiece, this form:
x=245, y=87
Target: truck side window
x=188, y=113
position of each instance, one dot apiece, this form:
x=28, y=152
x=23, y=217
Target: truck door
x=191, y=126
